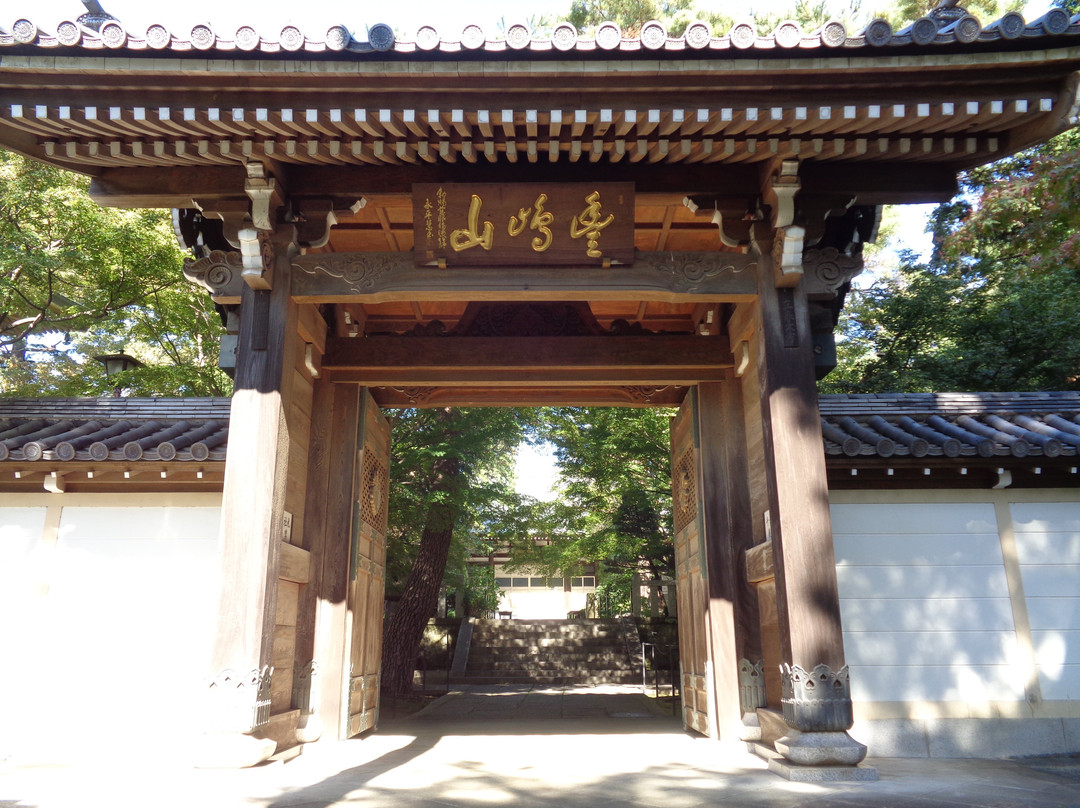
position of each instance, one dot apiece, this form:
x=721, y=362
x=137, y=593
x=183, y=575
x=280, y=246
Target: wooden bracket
x=265, y=193
x=55, y=483
x=733, y=216
x=234, y=213
x=780, y=191
x=257, y=254
x=742, y=358
x=787, y=256
x=312, y=360
x=315, y=217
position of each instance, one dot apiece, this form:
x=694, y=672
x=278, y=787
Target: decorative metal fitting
x=305, y=688
x=818, y=701
x=751, y=685
x=240, y=702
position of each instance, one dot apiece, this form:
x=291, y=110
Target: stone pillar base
x=232, y=750
x=860, y=773
x=751, y=727
x=310, y=728
x=821, y=748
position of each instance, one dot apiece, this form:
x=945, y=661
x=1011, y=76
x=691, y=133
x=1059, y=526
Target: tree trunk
x=405, y=628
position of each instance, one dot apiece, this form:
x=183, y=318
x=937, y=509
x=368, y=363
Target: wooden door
x=367, y=565
x=691, y=570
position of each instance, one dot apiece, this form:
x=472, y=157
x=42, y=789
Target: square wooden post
x=816, y=694
x=252, y=523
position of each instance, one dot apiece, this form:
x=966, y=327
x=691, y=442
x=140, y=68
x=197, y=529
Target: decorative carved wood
x=826, y=270
x=327, y=278
x=220, y=274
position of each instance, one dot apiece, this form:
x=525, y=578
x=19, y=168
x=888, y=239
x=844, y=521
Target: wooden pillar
x=814, y=677
x=732, y=607
x=252, y=521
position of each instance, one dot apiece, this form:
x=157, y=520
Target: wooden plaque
x=534, y=224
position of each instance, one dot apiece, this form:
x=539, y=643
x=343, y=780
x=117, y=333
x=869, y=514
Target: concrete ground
x=512, y=746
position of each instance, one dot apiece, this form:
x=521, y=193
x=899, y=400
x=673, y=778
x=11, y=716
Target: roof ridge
x=936, y=29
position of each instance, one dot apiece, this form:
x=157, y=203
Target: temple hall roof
x=899, y=438
x=943, y=29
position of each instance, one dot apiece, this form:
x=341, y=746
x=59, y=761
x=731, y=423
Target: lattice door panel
x=367, y=572
x=690, y=572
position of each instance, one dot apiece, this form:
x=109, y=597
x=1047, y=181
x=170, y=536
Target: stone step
x=508, y=679
x=531, y=646
x=583, y=655
x=541, y=667
x=548, y=634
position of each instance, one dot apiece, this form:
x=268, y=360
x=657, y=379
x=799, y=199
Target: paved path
x=587, y=747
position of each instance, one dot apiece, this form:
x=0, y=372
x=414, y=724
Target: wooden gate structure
x=646, y=221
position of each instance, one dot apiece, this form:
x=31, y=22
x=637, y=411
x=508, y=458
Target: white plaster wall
x=541, y=604
x=925, y=603
x=114, y=637
x=1048, y=550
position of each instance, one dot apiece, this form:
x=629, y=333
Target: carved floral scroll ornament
x=218, y=273
x=360, y=273
x=828, y=269
x=688, y=272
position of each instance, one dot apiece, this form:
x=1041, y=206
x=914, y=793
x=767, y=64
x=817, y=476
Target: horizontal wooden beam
x=882, y=183
x=385, y=277
x=171, y=187
x=526, y=396
x=656, y=361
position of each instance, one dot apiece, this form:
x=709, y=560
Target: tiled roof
x=119, y=429
x=945, y=27
x=931, y=425
x=952, y=425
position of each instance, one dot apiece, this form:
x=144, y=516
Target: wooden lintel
x=680, y=179
x=759, y=563
x=660, y=276
x=166, y=187
x=513, y=361
x=883, y=183
x=525, y=396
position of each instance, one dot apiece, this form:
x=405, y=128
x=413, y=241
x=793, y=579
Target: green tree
x=450, y=471
x=630, y=15
x=614, y=505
x=995, y=306
x=77, y=280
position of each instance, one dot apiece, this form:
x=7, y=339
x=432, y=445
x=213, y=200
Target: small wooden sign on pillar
x=575, y=224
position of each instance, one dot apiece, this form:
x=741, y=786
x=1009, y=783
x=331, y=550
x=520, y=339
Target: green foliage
x=614, y=506
x=995, y=306
x=78, y=280
x=630, y=15
x=478, y=591
x=483, y=441
x=901, y=13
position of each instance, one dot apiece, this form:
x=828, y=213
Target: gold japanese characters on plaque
x=524, y=224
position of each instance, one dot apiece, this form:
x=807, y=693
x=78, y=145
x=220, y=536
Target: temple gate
x=659, y=221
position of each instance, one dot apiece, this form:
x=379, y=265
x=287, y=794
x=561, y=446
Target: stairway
x=553, y=652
